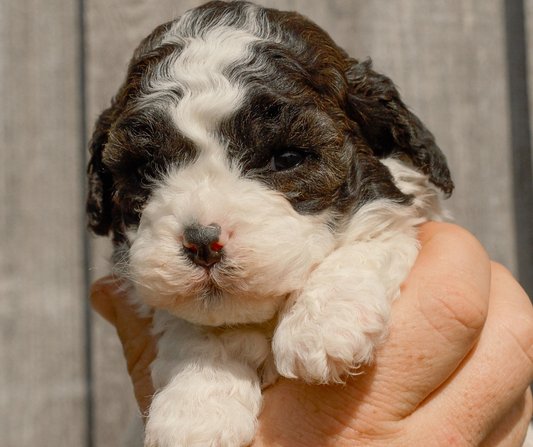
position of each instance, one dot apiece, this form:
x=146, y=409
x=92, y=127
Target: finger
x=497, y=371
x=512, y=428
x=436, y=321
x=109, y=298
x=102, y=294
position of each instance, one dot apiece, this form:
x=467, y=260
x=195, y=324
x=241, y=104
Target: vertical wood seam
x=89, y=442
x=520, y=139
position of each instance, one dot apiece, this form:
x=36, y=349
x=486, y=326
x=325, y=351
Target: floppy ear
x=389, y=127
x=100, y=181
x=100, y=190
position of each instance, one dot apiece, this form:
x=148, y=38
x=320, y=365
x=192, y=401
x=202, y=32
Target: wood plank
x=528, y=11
x=42, y=342
x=448, y=59
x=526, y=122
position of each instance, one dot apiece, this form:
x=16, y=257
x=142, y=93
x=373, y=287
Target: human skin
x=454, y=371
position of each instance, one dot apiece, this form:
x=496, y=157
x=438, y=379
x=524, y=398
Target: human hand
x=453, y=371
x=109, y=299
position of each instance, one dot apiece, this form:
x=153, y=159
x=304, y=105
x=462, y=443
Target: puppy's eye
x=287, y=159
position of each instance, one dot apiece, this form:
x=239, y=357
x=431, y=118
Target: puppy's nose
x=203, y=245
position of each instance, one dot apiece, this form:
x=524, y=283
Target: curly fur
x=303, y=175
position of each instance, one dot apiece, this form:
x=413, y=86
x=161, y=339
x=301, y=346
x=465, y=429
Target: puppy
x=263, y=192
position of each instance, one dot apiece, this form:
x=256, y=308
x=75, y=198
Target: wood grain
x=42, y=339
x=528, y=11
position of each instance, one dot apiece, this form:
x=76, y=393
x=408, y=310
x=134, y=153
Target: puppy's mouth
x=211, y=295
x=221, y=279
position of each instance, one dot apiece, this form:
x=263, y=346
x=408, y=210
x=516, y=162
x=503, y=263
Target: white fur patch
x=270, y=251
x=428, y=198
x=208, y=95
x=342, y=313
x=204, y=393
x=200, y=72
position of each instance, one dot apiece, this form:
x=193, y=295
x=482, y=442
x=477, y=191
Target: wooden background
x=460, y=64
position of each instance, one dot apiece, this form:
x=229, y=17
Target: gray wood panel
x=525, y=181
x=42, y=340
x=528, y=9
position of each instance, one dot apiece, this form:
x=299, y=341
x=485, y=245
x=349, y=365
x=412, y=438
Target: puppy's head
x=241, y=140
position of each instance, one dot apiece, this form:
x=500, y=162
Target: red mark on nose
x=189, y=245
x=216, y=246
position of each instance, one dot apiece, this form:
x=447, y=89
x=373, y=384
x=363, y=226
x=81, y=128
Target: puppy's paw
x=328, y=346
x=194, y=423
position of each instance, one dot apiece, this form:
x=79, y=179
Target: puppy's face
x=241, y=142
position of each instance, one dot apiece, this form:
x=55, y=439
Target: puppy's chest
x=252, y=344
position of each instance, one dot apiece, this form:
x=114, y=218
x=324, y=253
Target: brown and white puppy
x=263, y=191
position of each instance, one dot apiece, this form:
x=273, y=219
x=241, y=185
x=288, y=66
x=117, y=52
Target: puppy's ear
x=389, y=127
x=100, y=191
x=100, y=181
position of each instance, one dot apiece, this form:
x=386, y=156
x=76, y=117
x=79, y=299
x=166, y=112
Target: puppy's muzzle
x=204, y=245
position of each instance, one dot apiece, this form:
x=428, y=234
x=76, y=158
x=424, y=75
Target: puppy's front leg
x=342, y=313
x=208, y=388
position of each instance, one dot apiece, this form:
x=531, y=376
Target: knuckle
x=458, y=305
x=455, y=291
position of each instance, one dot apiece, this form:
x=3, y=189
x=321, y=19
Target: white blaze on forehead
x=200, y=72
